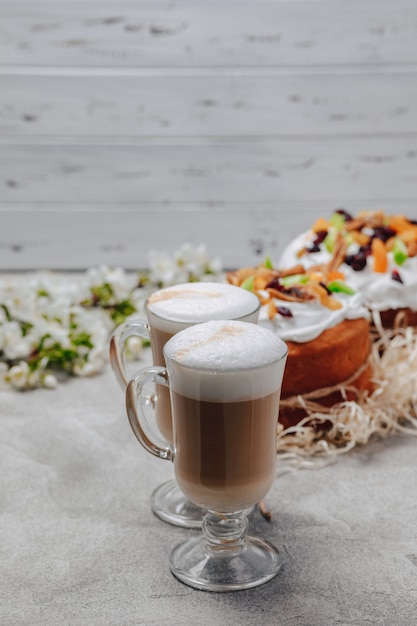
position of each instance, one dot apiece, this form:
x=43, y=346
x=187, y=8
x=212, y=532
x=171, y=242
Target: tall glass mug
x=225, y=383
x=168, y=311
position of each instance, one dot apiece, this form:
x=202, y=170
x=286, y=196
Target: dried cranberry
x=356, y=261
x=275, y=284
x=320, y=237
x=348, y=217
x=313, y=249
x=284, y=311
x=395, y=275
x=365, y=250
x=383, y=232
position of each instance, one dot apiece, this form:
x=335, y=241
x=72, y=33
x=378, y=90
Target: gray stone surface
x=80, y=546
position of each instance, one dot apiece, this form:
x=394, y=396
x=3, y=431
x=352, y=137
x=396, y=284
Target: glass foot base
x=170, y=505
x=254, y=563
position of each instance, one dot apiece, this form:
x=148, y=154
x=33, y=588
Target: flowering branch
x=53, y=326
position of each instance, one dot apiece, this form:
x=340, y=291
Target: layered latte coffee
x=175, y=308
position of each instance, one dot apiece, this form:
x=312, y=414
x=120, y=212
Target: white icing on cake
x=310, y=319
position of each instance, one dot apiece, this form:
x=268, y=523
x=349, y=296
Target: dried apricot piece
x=409, y=234
x=399, y=223
x=335, y=275
x=320, y=224
x=379, y=253
x=360, y=238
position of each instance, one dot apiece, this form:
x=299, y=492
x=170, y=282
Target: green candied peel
x=248, y=283
x=330, y=240
x=268, y=263
x=337, y=221
x=337, y=225
x=399, y=251
x=338, y=286
x=296, y=279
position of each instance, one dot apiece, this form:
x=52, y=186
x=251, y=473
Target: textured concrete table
x=80, y=546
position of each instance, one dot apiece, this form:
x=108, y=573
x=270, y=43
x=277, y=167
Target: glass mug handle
x=118, y=360
x=138, y=407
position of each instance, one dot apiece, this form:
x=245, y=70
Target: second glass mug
x=169, y=311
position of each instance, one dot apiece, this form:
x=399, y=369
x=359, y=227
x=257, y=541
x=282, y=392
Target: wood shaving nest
x=391, y=408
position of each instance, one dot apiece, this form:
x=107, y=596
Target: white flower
x=162, y=269
x=193, y=260
x=119, y=281
x=50, y=381
x=188, y=263
x=13, y=343
x=46, y=311
x=18, y=375
x=134, y=347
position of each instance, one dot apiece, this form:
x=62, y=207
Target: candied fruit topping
x=295, y=284
x=384, y=233
x=356, y=261
x=284, y=311
x=320, y=225
x=320, y=237
x=379, y=253
x=396, y=233
x=338, y=286
x=395, y=275
x=399, y=251
x=346, y=215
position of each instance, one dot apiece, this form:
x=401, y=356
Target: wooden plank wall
x=130, y=126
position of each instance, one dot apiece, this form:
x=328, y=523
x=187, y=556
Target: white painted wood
x=195, y=171
x=220, y=106
x=83, y=236
x=193, y=34
x=139, y=125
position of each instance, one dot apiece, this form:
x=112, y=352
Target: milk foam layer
x=225, y=361
x=174, y=308
x=377, y=290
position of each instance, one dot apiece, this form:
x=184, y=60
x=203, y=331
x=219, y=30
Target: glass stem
x=225, y=532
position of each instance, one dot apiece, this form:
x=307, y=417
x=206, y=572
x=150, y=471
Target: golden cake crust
x=332, y=358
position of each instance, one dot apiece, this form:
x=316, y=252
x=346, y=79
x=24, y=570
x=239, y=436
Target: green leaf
x=122, y=310
x=7, y=312
x=102, y=294
x=83, y=339
x=25, y=326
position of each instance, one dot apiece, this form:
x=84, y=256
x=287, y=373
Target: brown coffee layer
x=225, y=452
